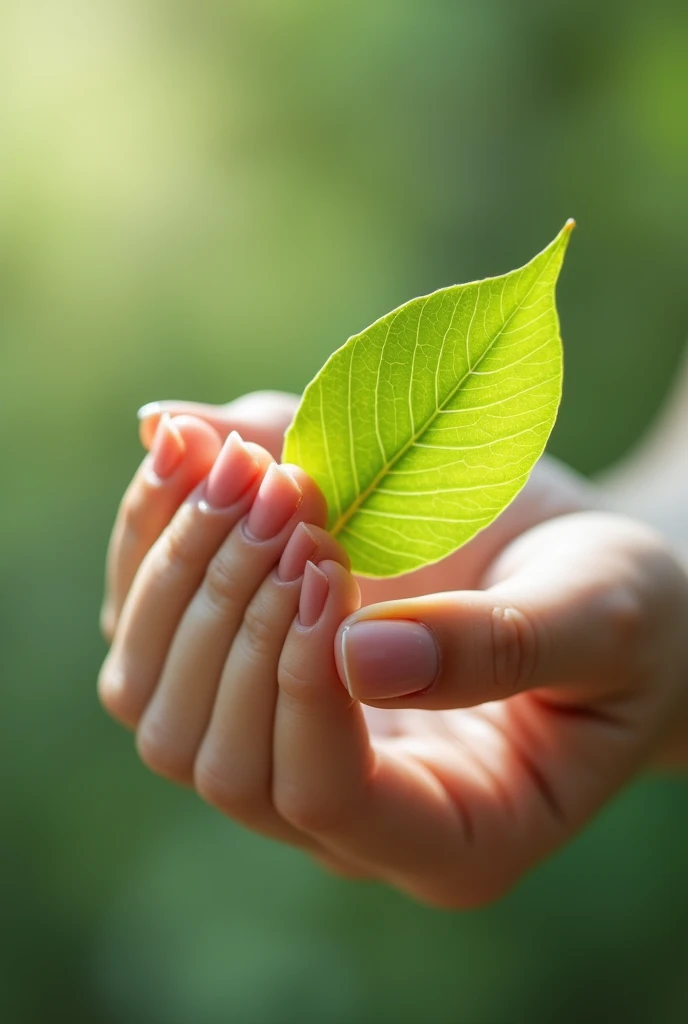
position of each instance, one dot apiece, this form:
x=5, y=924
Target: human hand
x=525, y=770
x=531, y=702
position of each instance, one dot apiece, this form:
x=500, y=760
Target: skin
x=564, y=669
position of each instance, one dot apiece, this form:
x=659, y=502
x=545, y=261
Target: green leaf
x=421, y=429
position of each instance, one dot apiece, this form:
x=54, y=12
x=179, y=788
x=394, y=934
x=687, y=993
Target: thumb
x=565, y=618
x=261, y=417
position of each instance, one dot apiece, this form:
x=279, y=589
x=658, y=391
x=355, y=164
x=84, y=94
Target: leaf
x=421, y=429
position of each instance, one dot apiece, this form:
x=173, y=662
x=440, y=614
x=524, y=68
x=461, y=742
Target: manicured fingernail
x=167, y=450
x=149, y=417
x=149, y=409
x=278, y=498
x=390, y=658
x=314, y=591
x=234, y=471
x=301, y=546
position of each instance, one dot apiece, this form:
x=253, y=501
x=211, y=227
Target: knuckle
x=625, y=616
x=222, y=584
x=226, y=790
x=308, y=811
x=257, y=633
x=178, y=549
x=115, y=693
x=293, y=684
x=161, y=753
x=514, y=646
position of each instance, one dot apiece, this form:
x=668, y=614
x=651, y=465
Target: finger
x=233, y=768
x=183, y=453
x=261, y=417
x=171, y=573
x=567, y=610
x=380, y=812
x=171, y=731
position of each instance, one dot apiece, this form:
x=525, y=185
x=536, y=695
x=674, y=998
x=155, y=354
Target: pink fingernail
x=301, y=546
x=234, y=471
x=277, y=500
x=390, y=658
x=314, y=591
x=167, y=450
x=149, y=417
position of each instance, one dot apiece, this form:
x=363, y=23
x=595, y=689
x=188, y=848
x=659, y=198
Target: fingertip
x=181, y=413
x=309, y=543
x=309, y=487
x=234, y=472
x=344, y=595
x=332, y=550
x=168, y=448
x=149, y=417
x=201, y=443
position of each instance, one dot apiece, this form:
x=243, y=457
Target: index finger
x=147, y=507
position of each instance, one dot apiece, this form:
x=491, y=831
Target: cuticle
x=282, y=582
x=243, y=526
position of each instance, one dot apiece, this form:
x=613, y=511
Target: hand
x=567, y=671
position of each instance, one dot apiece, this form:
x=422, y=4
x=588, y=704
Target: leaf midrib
x=341, y=522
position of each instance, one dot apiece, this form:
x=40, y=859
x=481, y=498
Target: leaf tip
x=561, y=242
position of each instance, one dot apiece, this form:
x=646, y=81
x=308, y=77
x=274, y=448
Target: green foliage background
x=201, y=199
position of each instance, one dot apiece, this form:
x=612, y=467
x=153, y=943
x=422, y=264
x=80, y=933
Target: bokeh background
x=201, y=199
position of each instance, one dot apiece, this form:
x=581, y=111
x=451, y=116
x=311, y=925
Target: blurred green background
x=200, y=199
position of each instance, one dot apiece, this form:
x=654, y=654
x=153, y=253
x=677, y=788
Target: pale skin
x=561, y=635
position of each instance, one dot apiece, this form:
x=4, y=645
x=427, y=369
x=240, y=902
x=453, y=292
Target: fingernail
x=149, y=417
x=390, y=658
x=314, y=591
x=301, y=546
x=234, y=471
x=167, y=450
x=149, y=409
x=278, y=498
